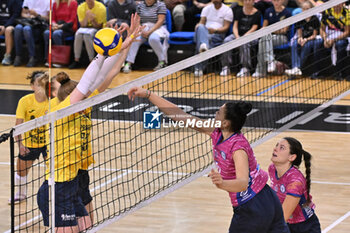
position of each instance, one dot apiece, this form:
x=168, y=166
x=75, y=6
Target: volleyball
x=107, y=42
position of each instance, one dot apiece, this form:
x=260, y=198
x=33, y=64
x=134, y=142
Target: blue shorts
x=34, y=153
x=311, y=225
x=83, y=189
x=262, y=214
x=68, y=206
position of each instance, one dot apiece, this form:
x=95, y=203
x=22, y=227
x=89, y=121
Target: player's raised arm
x=168, y=108
x=96, y=73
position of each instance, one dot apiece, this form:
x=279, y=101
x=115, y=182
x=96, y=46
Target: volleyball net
x=140, y=156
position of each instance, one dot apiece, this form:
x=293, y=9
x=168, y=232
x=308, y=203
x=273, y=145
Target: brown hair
x=43, y=81
x=296, y=148
x=34, y=75
x=67, y=85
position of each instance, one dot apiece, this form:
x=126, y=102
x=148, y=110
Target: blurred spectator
x=9, y=10
x=304, y=40
x=152, y=15
x=262, y=5
x=211, y=29
x=64, y=22
x=31, y=34
x=272, y=15
x=247, y=20
x=300, y=4
x=192, y=12
x=119, y=12
x=335, y=28
x=177, y=8
x=91, y=16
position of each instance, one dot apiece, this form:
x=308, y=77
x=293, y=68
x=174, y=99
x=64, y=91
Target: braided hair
x=296, y=148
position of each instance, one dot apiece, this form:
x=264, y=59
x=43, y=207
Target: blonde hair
x=43, y=81
x=59, y=1
x=67, y=85
x=306, y=3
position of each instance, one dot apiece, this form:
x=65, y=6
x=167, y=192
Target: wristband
x=132, y=36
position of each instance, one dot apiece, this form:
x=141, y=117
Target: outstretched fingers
x=134, y=23
x=131, y=93
x=121, y=28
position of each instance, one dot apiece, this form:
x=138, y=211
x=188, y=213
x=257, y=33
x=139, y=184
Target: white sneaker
x=18, y=198
x=244, y=72
x=225, y=71
x=198, y=73
x=271, y=67
x=294, y=71
x=127, y=68
x=203, y=47
x=257, y=75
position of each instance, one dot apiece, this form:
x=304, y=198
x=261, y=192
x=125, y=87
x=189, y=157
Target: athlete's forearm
x=236, y=185
x=168, y=108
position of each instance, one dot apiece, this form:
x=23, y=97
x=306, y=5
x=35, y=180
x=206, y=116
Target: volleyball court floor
x=200, y=206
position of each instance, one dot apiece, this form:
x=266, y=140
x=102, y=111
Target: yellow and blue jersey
x=29, y=108
x=336, y=21
x=72, y=143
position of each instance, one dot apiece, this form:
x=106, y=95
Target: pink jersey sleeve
x=295, y=188
x=296, y=184
x=240, y=145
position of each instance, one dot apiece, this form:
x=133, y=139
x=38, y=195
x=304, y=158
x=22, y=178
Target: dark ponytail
x=307, y=161
x=236, y=113
x=296, y=148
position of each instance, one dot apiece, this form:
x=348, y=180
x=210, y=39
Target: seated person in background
x=191, y=19
x=64, y=22
x=9, y=11
x=247, y=20
x=177, y=8
x=300, y=5
x=265, y=54
x=30, y=9
x=152, y=14
x=119, y=12
x=304, y=40
x=335, y=28
x=211, y=29
x=92, y=17
x=262, y=5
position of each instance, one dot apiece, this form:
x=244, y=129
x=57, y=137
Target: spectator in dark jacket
x=9, y=10
x=119, y=12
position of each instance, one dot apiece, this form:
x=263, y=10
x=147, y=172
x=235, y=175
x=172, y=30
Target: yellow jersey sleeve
x=29, y=108
x=20, y=111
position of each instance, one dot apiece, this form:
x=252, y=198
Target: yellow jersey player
x=32, y=144
x=71, y=215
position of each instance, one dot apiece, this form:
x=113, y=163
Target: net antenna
x=135, y=166
x=52, y=132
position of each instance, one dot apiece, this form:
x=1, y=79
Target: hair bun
x=243, y=107
x=62, y=78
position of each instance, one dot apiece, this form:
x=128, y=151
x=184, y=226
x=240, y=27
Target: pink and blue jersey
x=223, y=156
x=292, y=183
